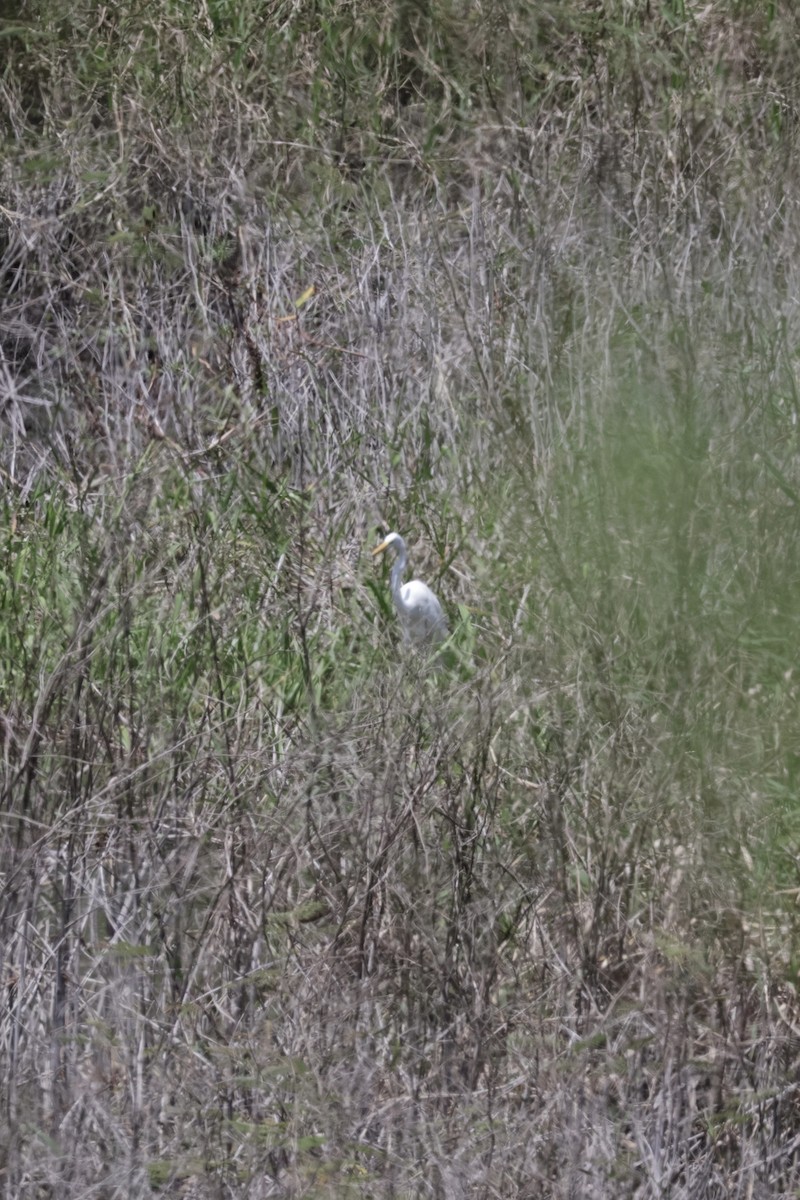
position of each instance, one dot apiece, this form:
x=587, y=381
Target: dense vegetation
x=286, y=911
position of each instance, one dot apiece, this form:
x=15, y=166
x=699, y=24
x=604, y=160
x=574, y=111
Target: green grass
x=284, y=908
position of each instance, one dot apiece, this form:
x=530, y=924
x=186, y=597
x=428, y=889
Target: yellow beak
x=379, y=549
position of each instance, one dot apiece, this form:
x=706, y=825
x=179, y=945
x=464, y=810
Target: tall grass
x=286, y=910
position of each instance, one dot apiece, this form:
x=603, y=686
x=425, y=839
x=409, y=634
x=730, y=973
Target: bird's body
x=420, y=613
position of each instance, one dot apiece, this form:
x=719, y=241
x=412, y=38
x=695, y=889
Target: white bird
x=420, y=613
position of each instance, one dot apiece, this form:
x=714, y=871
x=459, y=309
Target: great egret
x=420, y=613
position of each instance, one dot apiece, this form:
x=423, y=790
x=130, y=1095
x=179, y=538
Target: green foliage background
x=284, y=910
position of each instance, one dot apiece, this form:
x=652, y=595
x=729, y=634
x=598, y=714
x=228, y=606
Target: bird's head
x=391, y=539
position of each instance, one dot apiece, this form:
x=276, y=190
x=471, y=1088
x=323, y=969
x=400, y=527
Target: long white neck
x=396, y=577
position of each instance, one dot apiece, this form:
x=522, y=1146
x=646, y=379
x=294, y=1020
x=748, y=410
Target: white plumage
x=421, y=617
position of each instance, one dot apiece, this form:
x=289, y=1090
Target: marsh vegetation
x=283, y=912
